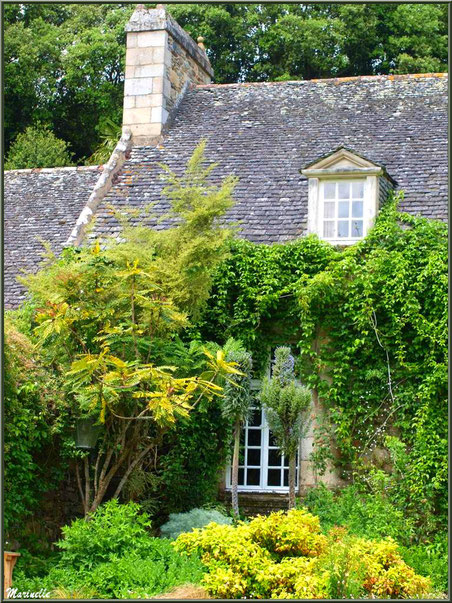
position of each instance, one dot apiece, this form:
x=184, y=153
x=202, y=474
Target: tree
x=106, y=318
x=236, y=407
x=64, y=66
x=38, y=147
x=64, y=63
x=285, y=403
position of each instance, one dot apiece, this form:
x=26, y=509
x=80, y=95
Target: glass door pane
x=277, y=470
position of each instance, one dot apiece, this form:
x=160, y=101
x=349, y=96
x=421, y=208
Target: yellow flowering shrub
x=386, y=574
x=284, y=556
x=293, y=533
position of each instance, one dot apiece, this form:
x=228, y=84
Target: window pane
x=357, y=209
x=241, y=477
x=344, y=190
x=241, y=456
x=255, y=418
x=274, y=458
x=254, y=437
x=357, y=228
x=254, y=456
x=358, y=190
x=253, y=477
x=242, y=438
x=328, y=209
x=274, y=477
x=328, y=230
x=343, y=209
x=329, y=190
x=286, y=461
x=342, y=228
x=271, y=439
x=286, y=477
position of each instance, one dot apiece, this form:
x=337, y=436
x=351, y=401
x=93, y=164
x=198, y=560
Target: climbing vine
x=370, y=325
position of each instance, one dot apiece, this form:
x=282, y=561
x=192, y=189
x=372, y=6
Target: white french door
x=262, y=467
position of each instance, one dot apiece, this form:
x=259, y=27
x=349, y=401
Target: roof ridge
x=335, y=80
x=72, y=168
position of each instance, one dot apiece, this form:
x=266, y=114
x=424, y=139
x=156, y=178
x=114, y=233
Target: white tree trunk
x=292, y=473
x=235, y=470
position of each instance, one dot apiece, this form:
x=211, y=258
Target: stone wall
x=182, y=68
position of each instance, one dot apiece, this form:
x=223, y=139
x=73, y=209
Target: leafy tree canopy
x=38, y=147
x=64, y=63
x=106, y=320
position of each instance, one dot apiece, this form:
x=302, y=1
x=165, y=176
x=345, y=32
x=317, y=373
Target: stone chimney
x=161, y=61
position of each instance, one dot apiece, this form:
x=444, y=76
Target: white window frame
x=263, y=486
x=364, y=218
x=342, y=165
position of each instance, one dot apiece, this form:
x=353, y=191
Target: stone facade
x=161, y=61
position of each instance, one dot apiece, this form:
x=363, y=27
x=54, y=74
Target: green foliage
x=194, y=452
x=378, y=317
x=373, y=515
x=284, y=556
x=106, y=320
x=364, y=316
x=38, y=147
x=430, y=559
x=64, y=64
x=182, y=259
x=196, y=518
x=113, y=529
x=29, y=415
x=346, y=570
x=363, y=514
x=253, y=294
x=285, y=403
x=113, y=556
x=64, y=67
x=237, y=389
x=109, y=133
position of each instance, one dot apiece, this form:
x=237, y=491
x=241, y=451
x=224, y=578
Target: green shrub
x=430, y=560
x=133, y=574
x=196, y=518
x=112, y=555
x=285, y=556
x=366, y=515
x=158, y=572
x=113, y=530
x=29, y=419
x=38, y=147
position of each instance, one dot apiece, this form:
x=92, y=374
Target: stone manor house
x=311, y=156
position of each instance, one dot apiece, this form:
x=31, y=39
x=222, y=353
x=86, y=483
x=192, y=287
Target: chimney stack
x=161, y=60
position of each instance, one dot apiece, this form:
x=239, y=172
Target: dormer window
x=344, y=196
x=342, y=209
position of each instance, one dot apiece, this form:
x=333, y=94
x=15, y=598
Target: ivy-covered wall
x=370, y=325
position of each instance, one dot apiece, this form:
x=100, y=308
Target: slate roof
x=265, y=133
x=39, y=204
